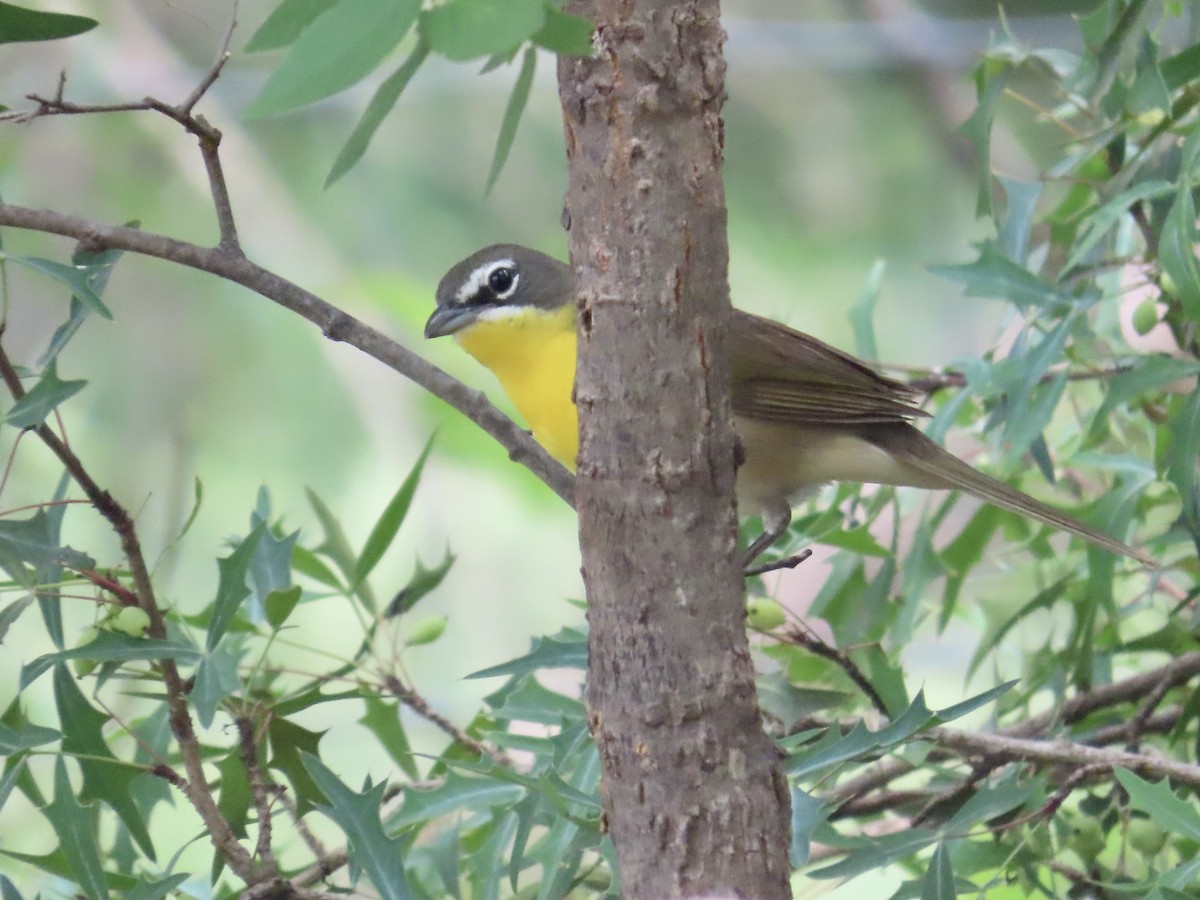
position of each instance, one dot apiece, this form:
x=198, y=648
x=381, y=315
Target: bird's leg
x=776, y=517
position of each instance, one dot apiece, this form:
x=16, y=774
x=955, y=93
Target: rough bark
x=693, y=794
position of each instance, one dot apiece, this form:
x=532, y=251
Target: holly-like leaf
x=42, y=399
x=565, y=650
x=34, y=541
x=216, y=678
x=110, y=646
x=76, y=831
x=231, y=586
x=105, y=777
x=78, y=280
x=422, y=582
x=357, y=814
x=383, y=720
x=288, y=741
x=1158, y=801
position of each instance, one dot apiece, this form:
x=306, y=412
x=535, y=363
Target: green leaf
x=512, y=116
x=280, y=604
x=565, y=650
x=469, y=29
x=307, y=563
x=381, y=104
x=8, y=890
x=383, y=721
x=33, y=541
x=1177, y=252
x=807, y=814
x=30, y=736
x=19, y=24
x=231, y=586
x=1181, y=457
x=145, y=889
x=216, y=678
x=862, y=314
x=990, y=85
x=422, y=582
x=110, y=646
x=76, y=831
x=105, y=777
x=11, y=613
x=1148, y=374
x=337, y=49
x=995, y=275
x=270, y=566
x=938, y=883
x=990, y=801
x=1158, y=801
x=878, y=851
x=390, y=520
x=74, y=278
x=1103, y=219
x=456, y=793
x=32, y=409
x=285, y=24
x=565, y=34
x=288, y=742
x=97, y=266
x=1021, y=198
x=380, y=857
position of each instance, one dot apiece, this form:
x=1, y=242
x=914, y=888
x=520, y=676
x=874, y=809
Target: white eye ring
x=478, y=279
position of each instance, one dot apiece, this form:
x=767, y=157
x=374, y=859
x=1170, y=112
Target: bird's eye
x=501, y=280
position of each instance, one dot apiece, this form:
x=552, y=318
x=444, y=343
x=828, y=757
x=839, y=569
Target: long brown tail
x=944, y=470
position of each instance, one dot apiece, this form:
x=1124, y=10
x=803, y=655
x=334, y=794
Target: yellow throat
x=532, y=352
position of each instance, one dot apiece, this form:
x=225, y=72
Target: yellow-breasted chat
x=806, y=413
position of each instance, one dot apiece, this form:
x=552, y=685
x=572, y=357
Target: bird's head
x=498, y=282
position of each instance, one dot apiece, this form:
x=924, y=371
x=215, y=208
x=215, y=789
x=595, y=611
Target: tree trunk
x=693, y=793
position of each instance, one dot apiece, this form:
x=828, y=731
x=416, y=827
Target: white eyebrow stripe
x=477, y=279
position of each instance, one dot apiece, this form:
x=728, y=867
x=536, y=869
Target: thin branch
x=418, y=704
x=800, y=636
x=333, y=322
x=196, y=790
x=258, y=790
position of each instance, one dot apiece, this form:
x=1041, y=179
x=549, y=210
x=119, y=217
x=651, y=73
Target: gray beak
x=449, y=319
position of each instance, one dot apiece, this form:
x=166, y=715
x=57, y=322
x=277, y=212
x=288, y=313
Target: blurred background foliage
x=842, y=150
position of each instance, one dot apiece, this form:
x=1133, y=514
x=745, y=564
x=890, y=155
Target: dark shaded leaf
x=19, y=24
x=41, y=400
x=288, y=741
x=422, y=582
x=383, y=721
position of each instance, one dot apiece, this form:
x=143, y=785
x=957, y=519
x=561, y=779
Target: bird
x=805, y=412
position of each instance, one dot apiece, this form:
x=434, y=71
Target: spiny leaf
x=50, y=391
x=357, y=814
x=72, y=823
x=231, y=586
x=76, y=279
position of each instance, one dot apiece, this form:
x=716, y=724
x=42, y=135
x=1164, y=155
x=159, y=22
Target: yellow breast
x=532, y=352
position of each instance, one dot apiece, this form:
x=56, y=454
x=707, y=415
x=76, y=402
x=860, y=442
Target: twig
x=196, y=789
x=418, y=704
x=799, y=635
x=258, y=790
x=333, y=322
